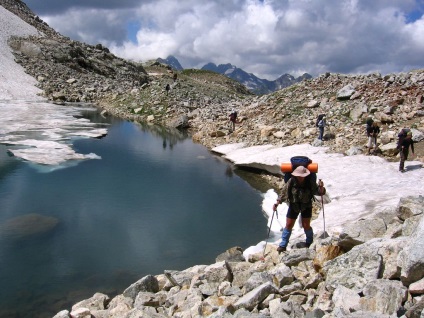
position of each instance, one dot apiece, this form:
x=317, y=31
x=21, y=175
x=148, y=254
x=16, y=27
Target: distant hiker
x=298, y=192
x=233, y=119
x=167, y=88
x=321, y=124
x=372, y=132
x=175, y=76
x=405, y=141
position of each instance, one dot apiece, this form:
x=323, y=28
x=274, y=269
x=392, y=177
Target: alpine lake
x=155, y=201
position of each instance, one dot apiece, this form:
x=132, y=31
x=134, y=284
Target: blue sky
x=265, y=37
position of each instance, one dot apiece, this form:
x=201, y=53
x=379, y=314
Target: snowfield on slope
x=358, y=186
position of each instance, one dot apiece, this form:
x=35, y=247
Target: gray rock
x=411, y=259
x=383, y=296
x=417, y=135
x=390, y=149
x=316, y=313
x=256, y=280
x=416, y=311
x=217, y=273
x=295, y=256
x=354, y=269
x=357, y=111
x=361, y=231
x=282, y=275
x=410, y=206
x=234, y=254
x=148, y=283
x=353, y=151
x=99, y=301
x=255, y=296
x=181, y=122
x=27, y=225
x=62, y=314
x=346, y=92
x=346, y=299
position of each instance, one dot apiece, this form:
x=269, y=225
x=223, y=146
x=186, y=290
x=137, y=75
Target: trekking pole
x=322, y=204
x=269, y=230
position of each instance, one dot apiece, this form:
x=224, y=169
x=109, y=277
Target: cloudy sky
x=265, y=37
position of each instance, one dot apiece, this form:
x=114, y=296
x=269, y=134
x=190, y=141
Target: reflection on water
x=154, y=201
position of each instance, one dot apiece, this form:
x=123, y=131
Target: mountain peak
x=253, y=83
x=171, y=61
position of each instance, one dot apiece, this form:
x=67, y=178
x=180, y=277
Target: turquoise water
x=155, y=201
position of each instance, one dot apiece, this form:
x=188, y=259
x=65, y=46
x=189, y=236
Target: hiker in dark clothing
x=233, y=119
x=167, y=88
x=404, y=150
x=372, y=132
x=298, y=192
x=321, y=124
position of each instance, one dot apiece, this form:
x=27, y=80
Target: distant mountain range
x=252, y=82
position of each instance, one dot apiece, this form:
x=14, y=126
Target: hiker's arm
x=283, y=196
x=319, y=188
x=412, y=146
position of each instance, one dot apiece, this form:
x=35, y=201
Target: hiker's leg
x=369, y=144
x=306, y=223
x=403, y=157
x=285, y=236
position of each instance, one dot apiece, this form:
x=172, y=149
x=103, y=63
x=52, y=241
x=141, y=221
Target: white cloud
x=267, y=38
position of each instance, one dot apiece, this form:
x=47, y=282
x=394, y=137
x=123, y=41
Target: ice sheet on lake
x=42, y=132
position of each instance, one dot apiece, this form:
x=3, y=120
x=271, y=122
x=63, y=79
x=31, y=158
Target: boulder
x=181, y=122
x=411, y=259
x=354, y=269
x=99, y=301
x=148, y=283
x=255, y=296
x=410, y=206
x=27, y=225
x=324, y=254
x=390, y=149
x=356, y=113
x=361, y=231
x=383, y=296
x=346, y=92
x=217, y=273
x=234, y=254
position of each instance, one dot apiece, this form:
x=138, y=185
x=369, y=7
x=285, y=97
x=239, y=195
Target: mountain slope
x=72, y=71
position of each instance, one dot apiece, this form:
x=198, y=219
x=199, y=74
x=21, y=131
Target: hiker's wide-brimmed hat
x=300, y=172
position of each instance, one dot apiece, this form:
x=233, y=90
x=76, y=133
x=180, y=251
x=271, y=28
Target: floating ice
x=42, y=132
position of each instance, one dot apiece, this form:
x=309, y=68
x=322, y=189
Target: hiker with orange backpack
x=299, y=192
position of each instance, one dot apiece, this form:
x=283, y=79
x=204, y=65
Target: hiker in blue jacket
x=299, y=192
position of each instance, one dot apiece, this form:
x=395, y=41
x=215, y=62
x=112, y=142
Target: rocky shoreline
x=373, y=268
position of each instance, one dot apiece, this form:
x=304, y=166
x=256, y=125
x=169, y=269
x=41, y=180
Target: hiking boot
x=402, y=170
x=308, y=245
x=281, y=249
